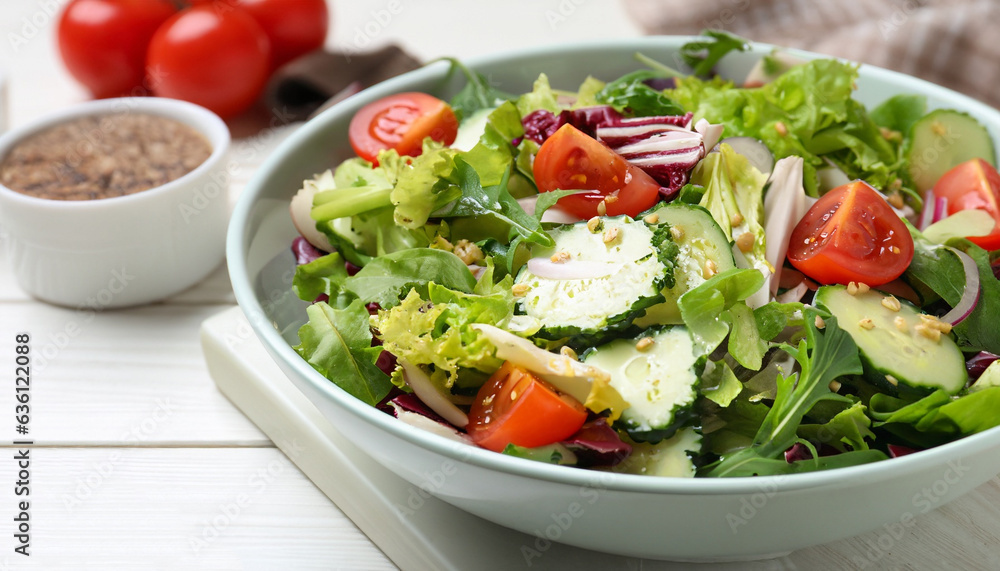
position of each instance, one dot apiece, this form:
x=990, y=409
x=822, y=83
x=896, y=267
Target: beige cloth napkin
x=949, y=42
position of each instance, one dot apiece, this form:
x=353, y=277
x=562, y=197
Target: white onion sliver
x=927, y=215
x=571, y=269
x=422, y=422
x=431, y=396
x=793, y=294
x=971, y=294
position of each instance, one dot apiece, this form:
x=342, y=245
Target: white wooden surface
x=139, y=460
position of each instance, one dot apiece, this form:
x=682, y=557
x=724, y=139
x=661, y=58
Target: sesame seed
x=710, y=269
x=677, y=233
x=781, y=128
x=519, y=290
x=567, y=352
x=594, y=224
x=835, y=386
x=901, y=323
x=928, y=332
x=852, y=288
x=863, y=287
x=610, y=235
x=652, y=218
x=892, y=380
x=895, y=199
x=560, y=257
x=820, y=324
x=644, y=343
x=602, y=208
x=611, y=198
x=866, y=323
x=891, y=303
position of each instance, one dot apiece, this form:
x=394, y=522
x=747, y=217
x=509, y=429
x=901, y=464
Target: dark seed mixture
x=103, y=156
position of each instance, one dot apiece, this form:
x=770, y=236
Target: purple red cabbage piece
x=800, y=451
x=627, y=136
x=597, y=444
x=304, y=251
x=977, y=364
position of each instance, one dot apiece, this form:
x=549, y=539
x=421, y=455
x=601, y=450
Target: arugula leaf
x=849, y=429
x=338, y=344
x=630, y=95
x=822, y=356
x=478, y=93
x=703, y=54
x=493, y=202
x=937, y=418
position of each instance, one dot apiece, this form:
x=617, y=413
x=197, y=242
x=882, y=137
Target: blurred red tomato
x=295, y=27
x=103, y=42
x=217, y=58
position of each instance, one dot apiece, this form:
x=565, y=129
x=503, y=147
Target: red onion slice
x=971, y=294
x=940, y=209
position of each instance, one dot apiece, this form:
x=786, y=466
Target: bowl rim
x=238, y=242
x=202, y=120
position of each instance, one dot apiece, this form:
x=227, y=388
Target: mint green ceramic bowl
x=662, y=518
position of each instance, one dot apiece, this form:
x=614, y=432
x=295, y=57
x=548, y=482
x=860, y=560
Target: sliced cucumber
x=658, y=375
x=596, y=279
x=944, y=139
x=897, y=350
x=669, y=458
x=700, y=241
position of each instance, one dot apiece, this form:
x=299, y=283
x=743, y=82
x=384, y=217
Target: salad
x=663, y=273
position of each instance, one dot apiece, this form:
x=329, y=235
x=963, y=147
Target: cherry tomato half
x=973, y=184
x=219, y=59
x=103, y=42
x=401, y=122
x=570, y=159
x=851, y=234
x=515, y=407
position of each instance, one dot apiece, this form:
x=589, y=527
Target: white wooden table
x=138, y=460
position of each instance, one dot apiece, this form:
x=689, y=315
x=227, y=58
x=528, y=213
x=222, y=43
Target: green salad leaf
x=703, y=54
x=338, y=344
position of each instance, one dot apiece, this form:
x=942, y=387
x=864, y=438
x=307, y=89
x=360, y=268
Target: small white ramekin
x=126, y=250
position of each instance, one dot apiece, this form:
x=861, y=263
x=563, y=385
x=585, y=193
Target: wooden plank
x=177, y=509
x=135, y=376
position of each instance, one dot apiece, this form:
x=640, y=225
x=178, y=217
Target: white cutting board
x=414, y=530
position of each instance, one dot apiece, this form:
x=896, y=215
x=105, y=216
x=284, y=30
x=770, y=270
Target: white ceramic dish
x=679, y=519
x=127, y=250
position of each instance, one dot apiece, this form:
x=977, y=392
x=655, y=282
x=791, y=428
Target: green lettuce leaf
x=939, y=417
x=712, y=308
x=338, y=344
x=630, y=95
x=734, y=192
x=434, y=330
x=387, y=277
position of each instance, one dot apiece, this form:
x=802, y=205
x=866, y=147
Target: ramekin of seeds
x=115, y=202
